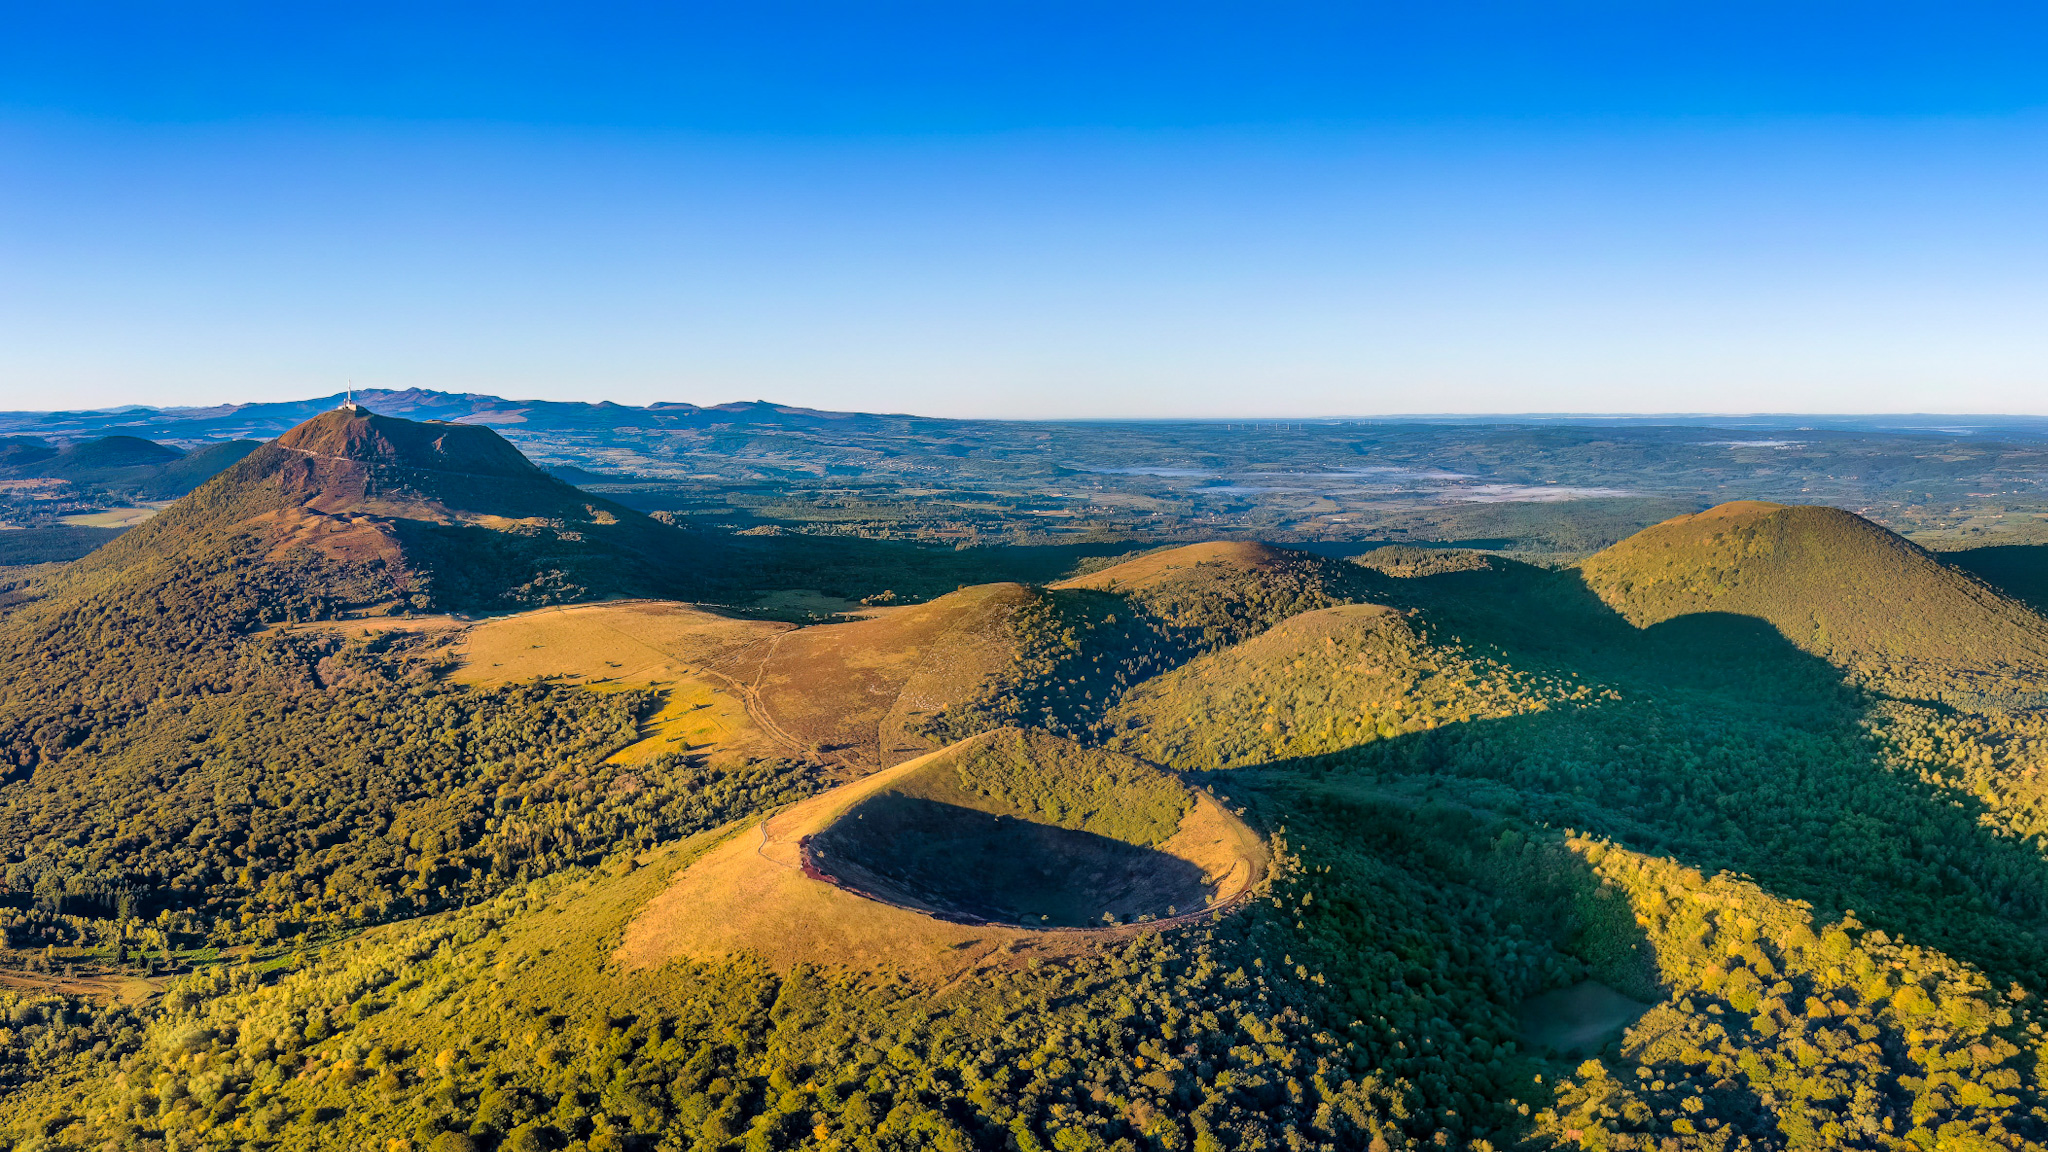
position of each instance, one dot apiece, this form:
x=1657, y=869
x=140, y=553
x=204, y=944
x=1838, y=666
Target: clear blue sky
x=1032, y=209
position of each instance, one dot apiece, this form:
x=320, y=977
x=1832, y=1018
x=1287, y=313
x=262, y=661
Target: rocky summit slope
x=377, y=512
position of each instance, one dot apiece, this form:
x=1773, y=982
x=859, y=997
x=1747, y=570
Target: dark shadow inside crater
x=964, y=862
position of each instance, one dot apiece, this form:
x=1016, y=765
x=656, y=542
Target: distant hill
x=124, y=465
x=1080, y=643
x=109, y=462
x=1318, y=682
x=109, y=455
x=23, y=451
x=1225, y=591
x=177, y=477
x=1840, y=587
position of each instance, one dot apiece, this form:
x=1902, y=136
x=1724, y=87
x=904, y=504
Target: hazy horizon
x=1773, y=417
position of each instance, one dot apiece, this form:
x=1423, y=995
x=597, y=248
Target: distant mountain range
x=265, y=421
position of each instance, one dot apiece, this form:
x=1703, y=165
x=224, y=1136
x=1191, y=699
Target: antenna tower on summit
x=348, y=403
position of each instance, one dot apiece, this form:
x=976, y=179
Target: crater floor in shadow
x=958, y=860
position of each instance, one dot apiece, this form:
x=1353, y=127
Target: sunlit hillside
x=1840, y=587
x=387, y=792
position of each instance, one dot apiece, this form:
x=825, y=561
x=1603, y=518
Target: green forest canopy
x=389, y=900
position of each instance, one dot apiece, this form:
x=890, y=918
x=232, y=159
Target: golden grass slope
x=1178, y=564
x=625, y=642
x=653, y=644
x=1316, y=683
x=853, y=689
x=750, y=896
x=848, y=692
x=1840, y=587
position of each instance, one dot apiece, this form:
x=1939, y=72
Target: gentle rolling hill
x=128, y=466
x=1322, y=681
x=1840, y=587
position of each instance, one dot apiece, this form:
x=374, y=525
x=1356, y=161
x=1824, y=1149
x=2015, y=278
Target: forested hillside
x=1841, y=588
x=1731, y=838
x=173, y=762
x=125, y=466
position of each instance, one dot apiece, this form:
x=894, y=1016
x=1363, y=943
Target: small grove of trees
x=1778, y=1027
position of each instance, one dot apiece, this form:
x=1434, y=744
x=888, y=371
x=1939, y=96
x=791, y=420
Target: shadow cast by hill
x=1729, y=748
x=2018, y=570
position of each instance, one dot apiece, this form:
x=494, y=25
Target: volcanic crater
x=1025, y=829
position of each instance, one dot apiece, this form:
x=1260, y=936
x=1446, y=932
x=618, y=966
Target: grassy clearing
x=640, y=643
x=655, y=645
x=113, y=517
x=853, y=689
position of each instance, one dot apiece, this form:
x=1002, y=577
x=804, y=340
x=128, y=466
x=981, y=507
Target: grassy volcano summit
x=1019, y=827
x=1840, y=587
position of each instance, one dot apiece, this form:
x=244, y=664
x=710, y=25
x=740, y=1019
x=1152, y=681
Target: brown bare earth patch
x=347, y=538
x=753, y=895
x=105, y=987
x=853, y=690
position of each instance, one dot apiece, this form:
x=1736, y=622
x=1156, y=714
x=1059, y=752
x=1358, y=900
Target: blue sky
x=1041, y=209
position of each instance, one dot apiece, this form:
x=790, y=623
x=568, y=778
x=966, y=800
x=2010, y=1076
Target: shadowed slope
x=1082, y=643
x=1837, y=586
x=187, y=472
x=2018, y=570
